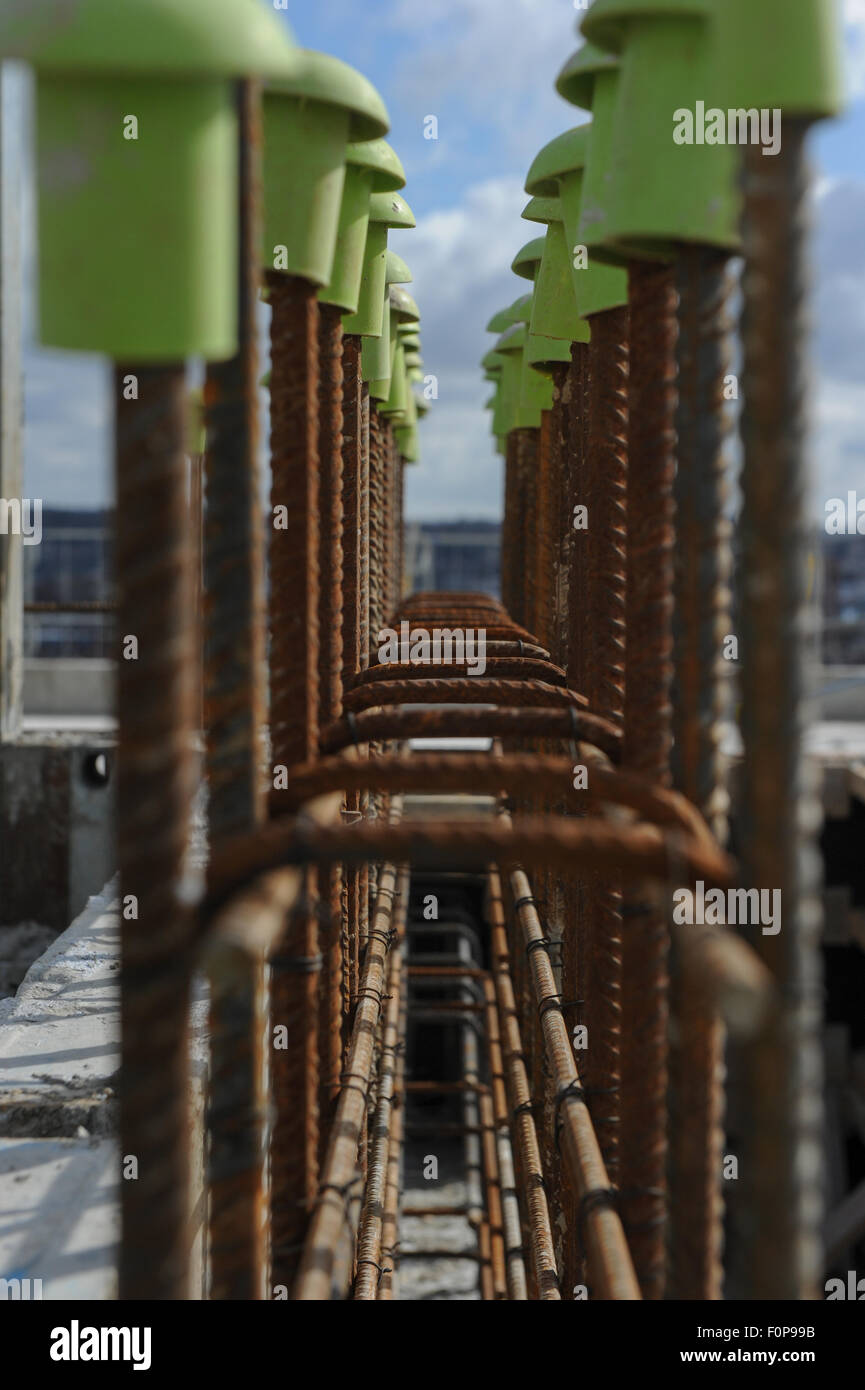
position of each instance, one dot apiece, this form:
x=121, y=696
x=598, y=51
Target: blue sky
x=485, y=69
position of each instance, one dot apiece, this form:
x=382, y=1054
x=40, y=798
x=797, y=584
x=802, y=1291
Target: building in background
x=73, y=565
x=844, y=601
x=453, y=555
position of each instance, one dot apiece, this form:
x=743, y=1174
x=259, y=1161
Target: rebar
x=646, y=749
x=702, y=620
x=294, y=724
x=156, y=780
x=781, y=1201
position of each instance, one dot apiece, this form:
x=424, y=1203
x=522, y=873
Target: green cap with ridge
x=800, y=75
x=669, y=56
x=386, y=211
x=308, y=123
x=136, y=156
x=370, y=167
x=554, y=307
x=562, y=164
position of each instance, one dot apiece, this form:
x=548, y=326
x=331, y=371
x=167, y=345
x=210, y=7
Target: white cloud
x=854, y=46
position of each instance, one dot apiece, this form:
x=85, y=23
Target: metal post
x=157, y=775
x=647, y=741
x=782, y=1147
x=701, y=621
x=235, y=699
x=294, y=729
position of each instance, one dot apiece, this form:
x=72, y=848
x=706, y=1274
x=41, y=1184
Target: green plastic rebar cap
x=526, y=262
x=408, y=441
x=608, y=22
x=137, y=167
x=520, y=311
x=309, y=121
x=566, y=154
x=491, y=362
x=543, y=210
x=391, y=210
x=403, y=306
x=499, y=322
x=555, y=307
x=386, y=210
x=545, y=353
x=371, y=166
x=576, y=81
x=559, y=172
x=657, y=193
x=322, y=80
x=780, y=56
x=396, y=271
x=225, y=38
x=388, y=175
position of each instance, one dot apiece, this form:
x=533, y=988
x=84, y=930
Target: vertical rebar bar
x=701, y=620
x=574, y=392
x=352, y=488
x=782, y=1154
x=606, y=469
x=155, y=786
x=330, y=620
x=510, y=515
x=235, y=700
x=646, y=749
x=294, y=644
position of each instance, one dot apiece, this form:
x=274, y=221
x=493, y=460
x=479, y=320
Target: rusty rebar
x=390, y=1254
x=235, y=696
x=369, y=1263
x=646, y=749
x=610, y=1268
x=156, y=781
x=635, y=851
x=353, y=486
x=510, y=527
x=464, y=771
x=606, y=471
x=377, y=465
x=521, y=1109
x=294, y=723
x=701, y=621
x=340, y=1169
x=465, y=722
x=330, y=679
x=474, y=690
x=235, y=712
x=511, y=1226
x=782, y=1142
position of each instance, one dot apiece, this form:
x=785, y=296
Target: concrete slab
x=59, y=1218
x=59, y=1162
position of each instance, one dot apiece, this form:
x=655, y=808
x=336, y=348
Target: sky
x=485, y=69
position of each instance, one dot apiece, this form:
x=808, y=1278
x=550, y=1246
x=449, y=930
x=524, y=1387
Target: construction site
x=367, y=942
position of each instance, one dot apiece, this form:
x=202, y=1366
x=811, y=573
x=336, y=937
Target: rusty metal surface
x=781, y=1213
x=156, y=777
x=646, y=749
x=294, y=724
x=234, y=642
x=702, y=619
x=637, y=850
x=606, y=470
x=471, y=690
x=531, y=722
